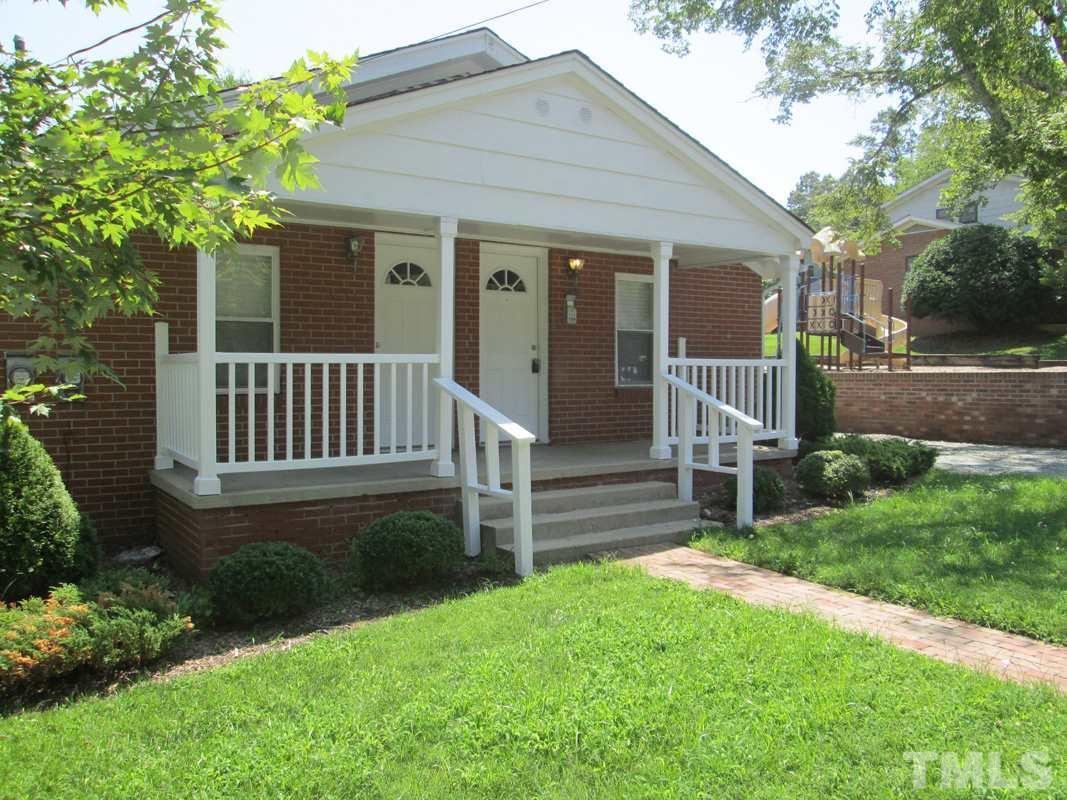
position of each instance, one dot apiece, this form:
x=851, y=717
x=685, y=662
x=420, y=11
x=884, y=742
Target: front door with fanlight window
x=406, y=287
x=513, y=373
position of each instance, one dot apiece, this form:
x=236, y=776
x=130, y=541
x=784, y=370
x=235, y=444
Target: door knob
x=535, y=365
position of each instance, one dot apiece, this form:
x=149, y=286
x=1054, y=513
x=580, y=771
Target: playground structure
x=841, y=320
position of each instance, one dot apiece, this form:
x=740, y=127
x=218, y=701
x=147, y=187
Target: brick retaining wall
x=1010, y=406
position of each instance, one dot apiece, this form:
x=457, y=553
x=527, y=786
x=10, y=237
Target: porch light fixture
x=575, y=264
x=354, y=244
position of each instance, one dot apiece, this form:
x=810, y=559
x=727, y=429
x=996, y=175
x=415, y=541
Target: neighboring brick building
x=918, y=218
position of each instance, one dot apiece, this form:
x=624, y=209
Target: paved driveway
x=992, y=459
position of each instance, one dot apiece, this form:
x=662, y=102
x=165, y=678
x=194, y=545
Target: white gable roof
x=555, y=143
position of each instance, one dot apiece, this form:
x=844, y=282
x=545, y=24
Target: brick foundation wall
x=1022, y=407
x=105, y=445
x=195, y=540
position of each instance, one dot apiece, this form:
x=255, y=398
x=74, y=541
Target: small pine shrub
x=921, y=458
x=815, y=399
x=131, y=588
x=39, y=524
x=832, y=474
x=404, y=549
x=266, y=580
x=768, y=491
x=55, y=636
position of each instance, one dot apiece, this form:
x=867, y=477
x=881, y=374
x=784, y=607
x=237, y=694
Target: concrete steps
x=568, y=524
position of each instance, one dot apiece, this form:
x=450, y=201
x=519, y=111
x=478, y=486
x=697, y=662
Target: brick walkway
x=1011, y=657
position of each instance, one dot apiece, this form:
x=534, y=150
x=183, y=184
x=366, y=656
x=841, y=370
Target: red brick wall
x=890, y=267
x=716, y=309
x=105, y=445
x=1025, y=407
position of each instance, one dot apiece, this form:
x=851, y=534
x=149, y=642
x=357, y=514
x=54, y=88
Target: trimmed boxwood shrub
x=832, y=474
x=815, y=399
x=405, y=548
x=40, y=526
x=768, y=491
x=890, y=460
x=264, y=580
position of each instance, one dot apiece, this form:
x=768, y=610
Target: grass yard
x=588, y=681
x=986, y=549
x=1048, y=345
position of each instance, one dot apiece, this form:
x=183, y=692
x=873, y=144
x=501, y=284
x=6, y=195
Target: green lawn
x=588, y=681
x=986, y=549
x=1047, y=345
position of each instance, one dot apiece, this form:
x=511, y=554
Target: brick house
x=504, y=251
x=918, y=218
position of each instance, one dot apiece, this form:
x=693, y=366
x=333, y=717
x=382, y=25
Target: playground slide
x=770, y=313
x=900, y=329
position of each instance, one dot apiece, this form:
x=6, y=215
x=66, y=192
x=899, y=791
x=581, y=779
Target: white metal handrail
x=470, y=405
x=690, y=399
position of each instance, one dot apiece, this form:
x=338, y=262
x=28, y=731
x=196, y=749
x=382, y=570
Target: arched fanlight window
x=504, y=280
x=407, y=273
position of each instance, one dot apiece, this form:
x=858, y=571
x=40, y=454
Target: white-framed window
x=247, y=308
x=633, y=330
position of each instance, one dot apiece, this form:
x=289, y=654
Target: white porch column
x=446, y=315
x=163, y=459
x=789, y=270
x=207, y=477
x=661, y=298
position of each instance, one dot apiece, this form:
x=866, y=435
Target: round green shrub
x=815, y=399
x=265, y=580
x=405, y=548
x=981, y=274
x=832, y=474
x=768, y=491
x=890, y=460
x=39, y=523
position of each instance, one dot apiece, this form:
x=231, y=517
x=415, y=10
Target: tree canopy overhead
x=991, y=74
x=94, y=149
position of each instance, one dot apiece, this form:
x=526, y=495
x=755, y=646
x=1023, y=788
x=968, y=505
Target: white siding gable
x=552, y=154
x=924, y=204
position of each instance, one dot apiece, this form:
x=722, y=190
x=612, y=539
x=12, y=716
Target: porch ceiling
x=687, y=255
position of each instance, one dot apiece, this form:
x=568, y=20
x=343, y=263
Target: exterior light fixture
x=354, y=244
x=570, y=300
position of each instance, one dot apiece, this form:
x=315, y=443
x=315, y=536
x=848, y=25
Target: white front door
x=513, y=362
x=406, y=290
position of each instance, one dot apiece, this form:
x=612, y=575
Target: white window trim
x=619, y=278
x=275, y=307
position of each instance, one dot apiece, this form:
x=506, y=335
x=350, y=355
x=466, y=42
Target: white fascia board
x=426, y=54
x=572, y=63
x=939, y=224
x=922, y=186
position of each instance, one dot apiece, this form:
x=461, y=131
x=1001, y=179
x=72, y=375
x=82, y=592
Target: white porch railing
x=469, y=406
x=753, y=386
x=314, y=409
x=281, y=411
x=177, y=384
x=695, y=404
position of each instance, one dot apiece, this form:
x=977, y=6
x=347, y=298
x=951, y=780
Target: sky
x=710, y=93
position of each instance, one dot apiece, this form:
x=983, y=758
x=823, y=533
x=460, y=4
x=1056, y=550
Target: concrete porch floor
x=548, y=462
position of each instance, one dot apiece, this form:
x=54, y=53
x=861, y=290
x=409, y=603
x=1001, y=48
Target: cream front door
x=406, y=290
x=513, y=366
